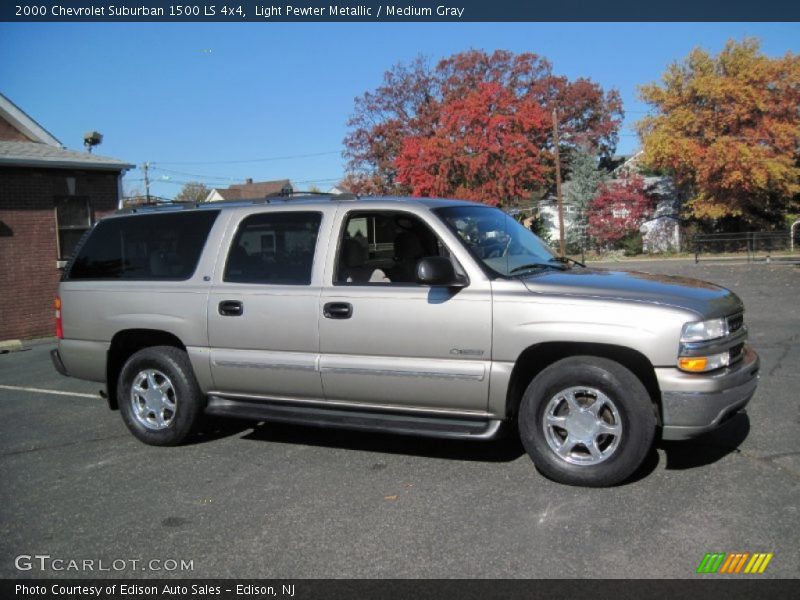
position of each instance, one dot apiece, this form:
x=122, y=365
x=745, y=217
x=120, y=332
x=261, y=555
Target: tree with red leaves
x=618, y=210
x=487, y=147
x=414, y=101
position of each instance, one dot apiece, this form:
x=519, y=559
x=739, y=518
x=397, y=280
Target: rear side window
x=144, y=247
x=274, y=248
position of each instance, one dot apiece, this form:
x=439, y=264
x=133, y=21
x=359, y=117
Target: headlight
x=702, y=331
x=700, y=364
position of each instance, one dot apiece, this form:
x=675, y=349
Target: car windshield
x=504, y=245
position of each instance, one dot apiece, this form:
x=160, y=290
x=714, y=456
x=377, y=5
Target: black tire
x=172, y=365
x=626, y=404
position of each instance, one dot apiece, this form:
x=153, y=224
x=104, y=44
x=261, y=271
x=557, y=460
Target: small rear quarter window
x=144, y=247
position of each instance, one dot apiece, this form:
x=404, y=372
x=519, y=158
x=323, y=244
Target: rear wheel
x=587, y=421
x=159, y=398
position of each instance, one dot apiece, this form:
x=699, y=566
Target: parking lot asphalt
x=279, y=501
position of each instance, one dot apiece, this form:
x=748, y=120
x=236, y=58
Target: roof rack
x=159, y=206
x=155, y=206
x=300, y=194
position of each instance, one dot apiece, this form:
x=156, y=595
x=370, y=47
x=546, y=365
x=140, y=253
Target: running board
x=385, y=422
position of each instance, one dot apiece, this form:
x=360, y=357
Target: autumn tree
x=618, y=210
x=728, y=128
x=402, y=106
x=364, y=184
x=194, y=191
x=487, y=146
x=411, y=102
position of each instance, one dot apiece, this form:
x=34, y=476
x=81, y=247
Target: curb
x=40, y=341
x=19, y=345
x=10, y=346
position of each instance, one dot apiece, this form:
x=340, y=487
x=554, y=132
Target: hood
x=701, y=297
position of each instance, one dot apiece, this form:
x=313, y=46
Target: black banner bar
x=305, y=11
x=745, y=587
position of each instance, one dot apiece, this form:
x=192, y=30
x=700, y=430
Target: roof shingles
x=258, y=189
x=44, y=155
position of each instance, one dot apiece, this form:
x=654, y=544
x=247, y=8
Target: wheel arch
x=123, y=345
x=534, y=359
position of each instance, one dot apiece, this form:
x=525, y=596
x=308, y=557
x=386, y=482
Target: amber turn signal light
x=695, y=364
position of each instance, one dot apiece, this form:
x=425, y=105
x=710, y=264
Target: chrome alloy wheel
x=582, y=426
x=153, y=399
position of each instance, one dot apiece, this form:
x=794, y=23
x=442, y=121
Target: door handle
x=337, y=310
x=231, y=308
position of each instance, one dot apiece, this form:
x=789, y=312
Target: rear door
x=263, y=307
x=387, y=340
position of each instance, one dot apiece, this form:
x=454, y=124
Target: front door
x=386, y=340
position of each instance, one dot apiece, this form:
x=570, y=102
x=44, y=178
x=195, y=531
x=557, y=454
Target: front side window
x=384, y=247
x=73, y=219
x=498, y=240
x=274, y=248
x=147, y=247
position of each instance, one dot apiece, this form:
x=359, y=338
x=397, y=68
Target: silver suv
x=414, y=316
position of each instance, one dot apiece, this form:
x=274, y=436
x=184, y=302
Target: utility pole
x=146, y=166
x=558, y=186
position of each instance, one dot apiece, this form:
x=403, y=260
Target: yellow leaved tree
x=728, y=128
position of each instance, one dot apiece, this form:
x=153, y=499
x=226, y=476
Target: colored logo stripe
x=758, y=563
x=711, y=563
x=734, y=563
x=721, y=562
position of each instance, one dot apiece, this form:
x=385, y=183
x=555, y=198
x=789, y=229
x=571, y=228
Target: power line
x=213, y=179
x=250, y=160
x=327, y=180
x=184, y=181
x=175, y=181
x=220, y=178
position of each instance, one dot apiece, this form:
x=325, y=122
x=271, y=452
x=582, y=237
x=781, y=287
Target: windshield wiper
x=567, y=260
x=540, y=265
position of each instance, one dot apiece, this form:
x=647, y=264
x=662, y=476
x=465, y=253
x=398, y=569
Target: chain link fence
x=752, y=243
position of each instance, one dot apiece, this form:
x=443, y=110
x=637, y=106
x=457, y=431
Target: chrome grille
x=735, y=322
x=736, y=353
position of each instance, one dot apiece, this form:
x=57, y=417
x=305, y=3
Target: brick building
x=48, y=197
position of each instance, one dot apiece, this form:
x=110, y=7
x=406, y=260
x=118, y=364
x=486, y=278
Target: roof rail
x=269, y=199
x=156, y=206
x=167, y=206
x=300, y=194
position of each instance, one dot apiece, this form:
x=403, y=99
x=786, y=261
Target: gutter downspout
x=119, y=189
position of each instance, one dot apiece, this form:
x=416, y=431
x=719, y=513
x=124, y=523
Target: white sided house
x=250, y=190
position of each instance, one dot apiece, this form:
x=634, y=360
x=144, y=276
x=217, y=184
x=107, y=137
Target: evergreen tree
x=583, y=182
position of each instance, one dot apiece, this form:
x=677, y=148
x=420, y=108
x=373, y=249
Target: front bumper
x=693, y=404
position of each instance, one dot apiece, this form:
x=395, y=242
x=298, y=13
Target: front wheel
x=158, y=396
x=587, y=421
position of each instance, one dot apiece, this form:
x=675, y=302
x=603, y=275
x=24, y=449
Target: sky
x=223, y=102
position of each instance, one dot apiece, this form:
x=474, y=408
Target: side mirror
x=437, y=270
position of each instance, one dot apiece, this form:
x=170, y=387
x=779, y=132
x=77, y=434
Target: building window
x=620, y=212
x=73, y=219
